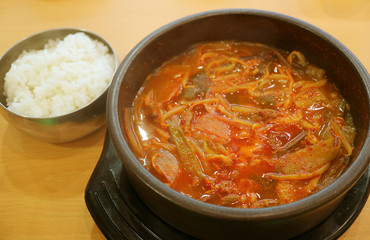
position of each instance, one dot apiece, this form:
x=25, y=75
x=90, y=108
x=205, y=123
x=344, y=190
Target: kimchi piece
x=241, y=124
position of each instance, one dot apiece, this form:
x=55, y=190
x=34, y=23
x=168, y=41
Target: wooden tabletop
x=41, y=184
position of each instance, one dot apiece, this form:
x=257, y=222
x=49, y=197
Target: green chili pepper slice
x=188, y=158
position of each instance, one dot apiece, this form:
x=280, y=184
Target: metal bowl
x=206, y=221
x=62, y=128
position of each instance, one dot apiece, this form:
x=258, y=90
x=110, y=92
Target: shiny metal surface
x=63, y=128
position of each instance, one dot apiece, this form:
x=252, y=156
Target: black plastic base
x=120, y=214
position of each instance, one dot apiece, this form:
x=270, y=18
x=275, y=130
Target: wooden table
x=42, y=185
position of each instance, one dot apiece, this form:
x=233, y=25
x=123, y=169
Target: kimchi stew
x=241, y=124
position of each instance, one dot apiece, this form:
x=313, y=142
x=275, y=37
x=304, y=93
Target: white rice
x=65, y=76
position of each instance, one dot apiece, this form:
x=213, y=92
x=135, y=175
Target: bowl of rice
x=53, y=84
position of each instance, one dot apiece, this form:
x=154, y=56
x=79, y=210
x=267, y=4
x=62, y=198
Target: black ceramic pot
x=207, y=221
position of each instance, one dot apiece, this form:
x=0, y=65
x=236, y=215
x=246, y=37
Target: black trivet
x=120, y=214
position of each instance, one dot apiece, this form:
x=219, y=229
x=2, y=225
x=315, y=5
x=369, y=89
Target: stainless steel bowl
x=62, y=128
x=207, y=221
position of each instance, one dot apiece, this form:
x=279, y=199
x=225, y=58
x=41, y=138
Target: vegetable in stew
x=241, y=124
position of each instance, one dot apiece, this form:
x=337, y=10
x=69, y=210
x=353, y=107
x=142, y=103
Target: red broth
x=241, y=124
